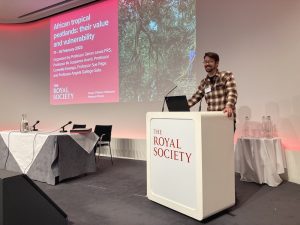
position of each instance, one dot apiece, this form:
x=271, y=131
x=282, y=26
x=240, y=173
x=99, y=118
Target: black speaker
x=22, y=202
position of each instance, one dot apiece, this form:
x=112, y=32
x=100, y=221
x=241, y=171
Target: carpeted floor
x=116, y=195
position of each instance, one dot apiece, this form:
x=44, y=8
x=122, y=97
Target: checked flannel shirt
x=219, y=92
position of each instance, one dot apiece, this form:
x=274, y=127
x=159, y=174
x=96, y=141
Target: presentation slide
x=123, y=51
x=84, y=59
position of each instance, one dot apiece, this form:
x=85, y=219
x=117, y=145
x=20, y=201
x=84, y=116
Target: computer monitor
x=177, y=103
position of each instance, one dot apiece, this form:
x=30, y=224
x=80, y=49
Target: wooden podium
x=190, y=162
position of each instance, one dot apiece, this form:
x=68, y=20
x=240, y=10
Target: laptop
x=177, y=103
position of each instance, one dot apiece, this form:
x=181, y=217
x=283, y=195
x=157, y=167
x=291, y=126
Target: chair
x=75, y=126
x=104, y=133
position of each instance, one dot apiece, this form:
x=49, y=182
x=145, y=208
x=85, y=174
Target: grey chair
x=104, y=133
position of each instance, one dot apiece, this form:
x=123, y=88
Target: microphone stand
x=200, y=105
x=63, y=127
x=163, y=106
x=33, y=126
x=34, y=129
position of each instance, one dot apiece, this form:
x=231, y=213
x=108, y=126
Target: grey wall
x=259, y=42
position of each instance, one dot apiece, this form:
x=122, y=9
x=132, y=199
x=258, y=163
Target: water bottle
x=269, y=127
x=274, y=131
x=24, y=127
x=246, y=127
x=263, y=126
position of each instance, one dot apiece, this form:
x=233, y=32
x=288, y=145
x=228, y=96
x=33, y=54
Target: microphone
x=63, y=127
x=163, y=106
x=33, y=126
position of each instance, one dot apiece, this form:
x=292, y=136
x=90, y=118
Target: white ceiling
x=22, y=11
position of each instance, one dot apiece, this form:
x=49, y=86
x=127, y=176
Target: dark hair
x=212, y=55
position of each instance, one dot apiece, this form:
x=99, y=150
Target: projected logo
x=62, y=93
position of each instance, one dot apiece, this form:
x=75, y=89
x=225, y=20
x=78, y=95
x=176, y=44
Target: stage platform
x=116, y=195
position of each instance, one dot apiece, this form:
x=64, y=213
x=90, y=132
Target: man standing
x=218, y=88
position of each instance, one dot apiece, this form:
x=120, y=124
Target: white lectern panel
x=173, y=157
x=190, y=162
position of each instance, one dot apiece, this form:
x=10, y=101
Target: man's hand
x=228, y=111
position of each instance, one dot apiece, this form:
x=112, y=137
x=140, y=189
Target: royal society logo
x=62, y=93
x=169, y=148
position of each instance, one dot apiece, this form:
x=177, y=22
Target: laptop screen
x=177, y=103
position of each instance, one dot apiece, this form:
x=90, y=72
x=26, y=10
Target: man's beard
x=208, y=69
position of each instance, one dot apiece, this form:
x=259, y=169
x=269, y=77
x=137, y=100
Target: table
x=48, y=157
x=260, y=160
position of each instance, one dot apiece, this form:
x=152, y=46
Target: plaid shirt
x=219, y=92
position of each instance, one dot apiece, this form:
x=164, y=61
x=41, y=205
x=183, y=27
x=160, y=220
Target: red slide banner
x=84, y=61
